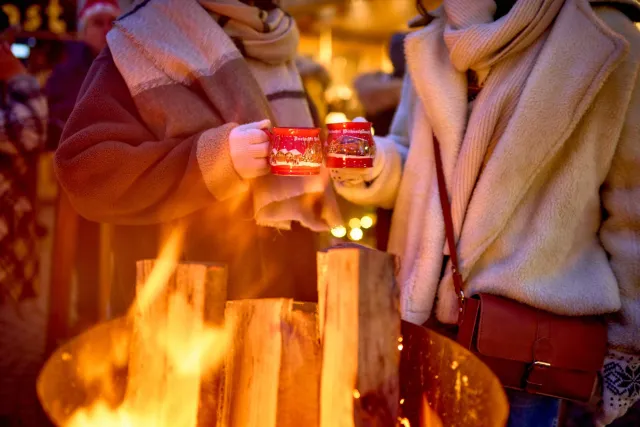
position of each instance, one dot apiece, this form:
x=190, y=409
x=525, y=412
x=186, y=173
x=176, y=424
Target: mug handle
x=269, y=133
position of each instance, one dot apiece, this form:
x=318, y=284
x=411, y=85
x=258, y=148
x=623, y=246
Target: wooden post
x=361, y=331
x=65, y=236
x=105, y=277
x=160, y=387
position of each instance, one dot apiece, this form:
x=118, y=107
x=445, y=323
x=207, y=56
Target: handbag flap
x=510, y=330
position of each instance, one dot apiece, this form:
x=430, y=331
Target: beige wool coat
x=554, y=218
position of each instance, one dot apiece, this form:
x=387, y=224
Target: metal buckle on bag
x=534, y=365
x=455, y=272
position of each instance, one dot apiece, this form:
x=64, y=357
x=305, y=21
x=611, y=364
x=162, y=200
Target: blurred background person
x=23, y=112
x=22, y=133
x=95, y=20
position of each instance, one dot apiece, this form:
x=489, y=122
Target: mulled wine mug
x=295, y=151
x=350, y=145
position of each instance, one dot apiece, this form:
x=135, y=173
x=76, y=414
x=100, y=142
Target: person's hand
x=10, y=66
x=357, y=177
x=249, y=146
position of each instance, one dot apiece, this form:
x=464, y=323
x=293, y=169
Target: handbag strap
x=448, y=224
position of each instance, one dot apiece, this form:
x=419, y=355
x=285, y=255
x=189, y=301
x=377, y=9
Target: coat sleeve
x=620, y=232
x=115, y=170
x=393, y=149
x=401, y=121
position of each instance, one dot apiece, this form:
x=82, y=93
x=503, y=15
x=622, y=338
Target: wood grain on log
x=360, y=366
x=272, y=370
x=299, y=388
x=322, y=265
x=252, y=365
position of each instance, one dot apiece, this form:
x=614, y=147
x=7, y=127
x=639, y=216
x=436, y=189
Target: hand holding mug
x=249, y=146
x=351, y=176
x=357, y=177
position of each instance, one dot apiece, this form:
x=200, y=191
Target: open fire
x=188, y=346
x=185, y=357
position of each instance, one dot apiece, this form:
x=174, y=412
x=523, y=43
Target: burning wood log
x=173, y=345
x=361, y=332
x=299, y=388
x=273, y=367
x=252, y=365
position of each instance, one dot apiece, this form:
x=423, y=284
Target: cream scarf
x=502, y=53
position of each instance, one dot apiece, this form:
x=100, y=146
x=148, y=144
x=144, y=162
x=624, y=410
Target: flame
x=163, y=268
x=98, y=363
x=429, y=417
x=186, y=346
x=101, y=415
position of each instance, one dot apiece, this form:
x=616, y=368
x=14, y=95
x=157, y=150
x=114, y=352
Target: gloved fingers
x=263, y=124
x=258, y=150
x=255, y=136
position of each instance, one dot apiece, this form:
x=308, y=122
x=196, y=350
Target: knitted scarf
x=239, y=60
x=502, y=53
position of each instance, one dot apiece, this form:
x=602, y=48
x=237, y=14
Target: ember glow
x=428, y=416
x=187, y=346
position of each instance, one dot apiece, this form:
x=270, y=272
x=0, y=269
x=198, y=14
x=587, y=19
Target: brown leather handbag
x=528, y=349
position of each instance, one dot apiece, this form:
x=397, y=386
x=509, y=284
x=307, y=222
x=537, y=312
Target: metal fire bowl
x=458, y=387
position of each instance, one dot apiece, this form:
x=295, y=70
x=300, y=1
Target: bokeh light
x=339, y=231
x=354, y=223
x=356, y=234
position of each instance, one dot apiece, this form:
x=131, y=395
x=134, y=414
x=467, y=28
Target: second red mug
x=350, y=145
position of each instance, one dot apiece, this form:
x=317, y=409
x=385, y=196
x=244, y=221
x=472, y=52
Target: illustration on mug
x=296, y=151
x=350, y=145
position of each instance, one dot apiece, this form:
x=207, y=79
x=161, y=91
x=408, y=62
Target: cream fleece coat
x=554, y=218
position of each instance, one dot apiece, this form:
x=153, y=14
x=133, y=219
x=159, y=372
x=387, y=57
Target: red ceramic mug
x=295, y=151
x=350, y=145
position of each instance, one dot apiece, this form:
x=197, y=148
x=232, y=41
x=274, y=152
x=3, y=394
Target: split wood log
x=361, y=331
x=299, y=388
x=252, y=365
x=272, y=369
x=322, y=266
x=166, y=382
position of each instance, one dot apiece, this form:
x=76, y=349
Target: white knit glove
x=620, y=388
x=357, y=177
x=249, y=146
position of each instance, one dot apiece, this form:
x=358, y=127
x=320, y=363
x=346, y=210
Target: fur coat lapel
x=565, y=78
